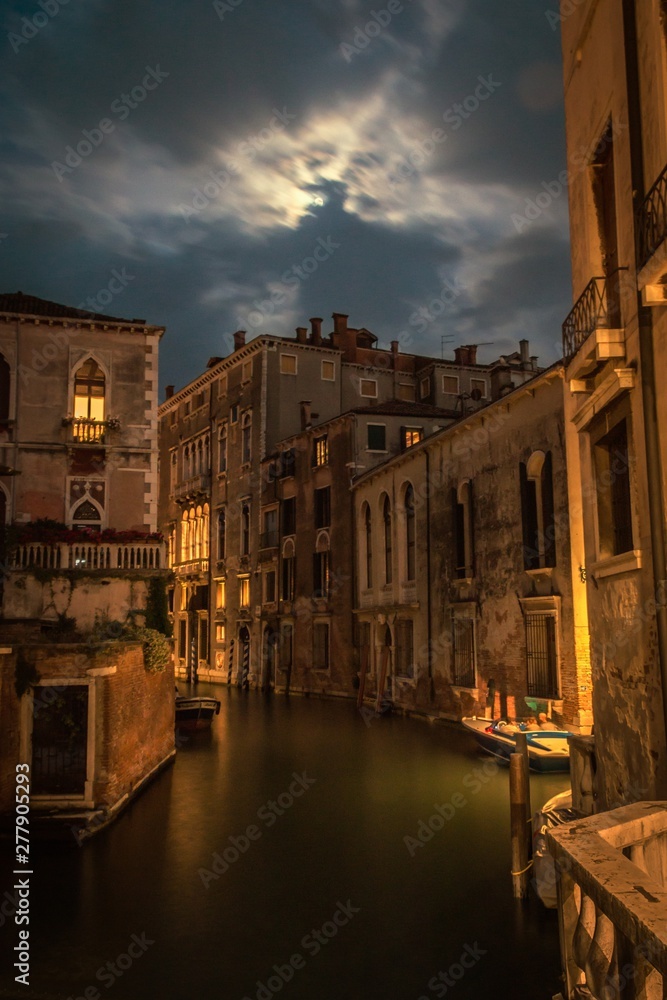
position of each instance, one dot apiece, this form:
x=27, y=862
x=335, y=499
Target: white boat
x=548, y=749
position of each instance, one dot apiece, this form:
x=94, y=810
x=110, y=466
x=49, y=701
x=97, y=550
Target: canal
x=272, y=858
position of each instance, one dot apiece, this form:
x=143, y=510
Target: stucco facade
x=615, y=347
x=464, y=571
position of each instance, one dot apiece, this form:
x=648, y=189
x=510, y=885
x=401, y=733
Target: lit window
x=377, y=437
x=425, y=387
x=220, y=594
x=450, y=384
x=368, y=387
x=411, y=435
x=329, y=371
x=219, y=633
x=478, y=388
x=89, y=388
x=321, y=450
x=244, y=592
x=288, y=364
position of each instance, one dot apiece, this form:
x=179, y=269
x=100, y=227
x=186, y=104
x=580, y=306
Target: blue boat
x=548, y=749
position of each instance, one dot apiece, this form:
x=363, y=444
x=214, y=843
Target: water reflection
x=343, y=841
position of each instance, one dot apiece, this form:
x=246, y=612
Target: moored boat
x=195, y=713
x=548, y=749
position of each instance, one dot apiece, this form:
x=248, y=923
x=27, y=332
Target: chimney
x=501, y=381
x=212, y=362
x=316, y=327
x=239, y=340
x=394, y=347
x=168, y=391
x=472, y=354
x=306, y=420
x=525, y=354
x=302, y=334
x=340, y=324
x=461, y=355
x=533, y=361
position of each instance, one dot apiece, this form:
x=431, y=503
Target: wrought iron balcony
x=85, y=430
x=611, y=900
x=652, y=243
x=594, y=323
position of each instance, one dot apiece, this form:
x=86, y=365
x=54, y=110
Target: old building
x=307, y=540
x=215, y=434
x=464, y=571
x=615, y=348
x=81, y=558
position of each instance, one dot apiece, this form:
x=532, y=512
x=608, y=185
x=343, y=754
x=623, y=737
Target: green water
x=335, y=863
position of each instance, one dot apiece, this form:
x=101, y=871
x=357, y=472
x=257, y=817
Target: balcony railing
x=195, y=486
x=85, y=430
x=191, y=567
x=269, y=539
x=652, y=227
x=89, y=556
x=590, y=313
x=612, y=901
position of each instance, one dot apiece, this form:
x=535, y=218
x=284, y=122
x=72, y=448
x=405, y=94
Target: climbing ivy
x=25, y=674
x=157, y=608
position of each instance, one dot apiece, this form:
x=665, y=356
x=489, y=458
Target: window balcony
x=611, y=901
x=652, y=249
x=592, y=333
x=191, y=567
x=269, y=539
x=87, y=431
x=193, y=488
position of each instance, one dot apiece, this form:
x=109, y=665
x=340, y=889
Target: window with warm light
x=244, y=591
x=321, y=450
x=328, y=371
x=89, y=391
x=219, y=633
x=411, y=436
x=220, y=595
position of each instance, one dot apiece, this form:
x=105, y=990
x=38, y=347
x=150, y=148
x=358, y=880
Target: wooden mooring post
x=519, y=818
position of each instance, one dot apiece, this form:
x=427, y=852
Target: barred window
x=404, y=648
x=464, y=652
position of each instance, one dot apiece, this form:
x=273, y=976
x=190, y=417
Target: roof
x=31, y=305
x=403, y=408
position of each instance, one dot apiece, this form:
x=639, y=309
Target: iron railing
x=193, y=487
x=652, y=220
x=590, y=312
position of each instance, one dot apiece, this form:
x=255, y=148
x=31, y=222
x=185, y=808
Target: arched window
x=245, y=529
x=205, y=532
x=222, y=534
x=288, y=571
x=464, y=538
x=185, y=537
x=409, y=505
x=368, y=545
x=199, y=466
x=222, y=449
x=186, y=462
x=207, y=454
x=5, y=386
x=537, y=511
x=322, y=567
x=89, y=389
x=173, y=470
x=388, y=556
x=246, y=437
x=87, y=515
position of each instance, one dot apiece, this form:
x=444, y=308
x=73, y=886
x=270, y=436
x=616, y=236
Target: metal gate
x=541, y=656
x=59, y=740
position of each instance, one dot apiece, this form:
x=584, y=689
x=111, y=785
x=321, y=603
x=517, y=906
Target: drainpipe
x=429, y=624
x=646, y=353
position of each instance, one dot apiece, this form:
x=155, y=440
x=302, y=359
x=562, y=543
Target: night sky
x=252, y=163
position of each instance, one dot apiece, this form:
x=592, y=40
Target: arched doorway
x=244, y=658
